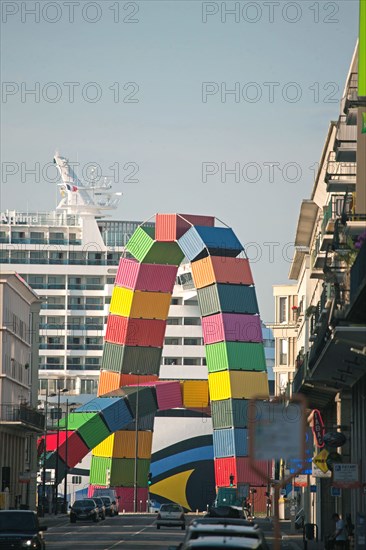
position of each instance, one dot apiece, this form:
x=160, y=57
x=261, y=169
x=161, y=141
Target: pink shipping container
x=135, y=332
x=151, y=277
x=241, y=471
x=231, y=327
x=168, y=394
x=126, y=497
x=170, y=227
x=76, y=449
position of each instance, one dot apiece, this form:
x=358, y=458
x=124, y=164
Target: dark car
x=101, y=507
x=20, y=529
x=225, y=512
x=110, y=506
x=84, y=509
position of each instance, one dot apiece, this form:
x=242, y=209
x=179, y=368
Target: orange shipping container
x=109, y=381
x=220, y=269
x=195, y=393
x=139, y=304
x=122, y=445
x=170, y=227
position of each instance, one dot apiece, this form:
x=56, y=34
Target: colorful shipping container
x=220, y=298
x=232, y=327
x=131, y=359
x=221, y=269
x=122, y=445
x=230, y=442
x=199, y=242
x=170, y=227
x=235, y=356
x=121, y=471
x=139, y=304
x=145, y=249
x=195, y=393
x=109, y=381
x=238, y=385
x=135, y=332
x=90, y=426
x=150, y=277
x=241, y=470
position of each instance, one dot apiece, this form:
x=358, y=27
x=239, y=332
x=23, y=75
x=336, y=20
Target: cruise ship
x=70, y=258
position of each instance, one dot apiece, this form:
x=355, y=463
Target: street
x=135, y=532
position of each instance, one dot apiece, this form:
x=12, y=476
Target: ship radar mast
x=93, y=197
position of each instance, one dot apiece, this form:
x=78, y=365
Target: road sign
x=318, y=428
x=346, y=476
x=317, y=472
x=335, y=491
x=301, y=481
x=320, y=460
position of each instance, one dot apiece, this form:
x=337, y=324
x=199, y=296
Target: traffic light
x=149, y=479
x=231, y=480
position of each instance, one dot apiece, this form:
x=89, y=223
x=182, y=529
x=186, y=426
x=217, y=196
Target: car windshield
x=10, y=521
x=84, y=503
x=98, y=501
x=170, y=508
x=106, y=500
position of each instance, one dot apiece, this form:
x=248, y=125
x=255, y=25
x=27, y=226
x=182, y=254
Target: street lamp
x=66, y=454
x=59, y=391
x=136, y=444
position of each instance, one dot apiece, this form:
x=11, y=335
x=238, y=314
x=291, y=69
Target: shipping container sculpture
x=128, y=383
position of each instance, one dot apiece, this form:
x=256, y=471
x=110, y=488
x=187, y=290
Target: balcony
x=85, y=287
x=317, y=258
x=51, y=346
x=51, y=326
x=85, y=327
x=357, y=307
x=83, y=367
x=85, y=306
x=21, y=416
x=85, y=347
x=340, y=177
x=51, y=366
x=52, y=306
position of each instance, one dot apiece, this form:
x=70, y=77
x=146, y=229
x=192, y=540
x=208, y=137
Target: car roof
x=208, y=527
x=222, y=521
x=223, y=542
x=171, y=504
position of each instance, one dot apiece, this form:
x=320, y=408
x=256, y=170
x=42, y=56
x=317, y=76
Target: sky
x=217, y=108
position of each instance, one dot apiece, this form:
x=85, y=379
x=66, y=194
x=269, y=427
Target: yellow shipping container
x=124, y=444
x=105, y=448
x=139, y=304
x=195, y=393
x=237, y=385
x=121, y=301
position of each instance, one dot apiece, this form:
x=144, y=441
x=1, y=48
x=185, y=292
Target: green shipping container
x=222, y=298
x=229, y=413
x=147, y=400
x=121, y=471
x=145, y=249
x=90, y=427
x=131, y=359
x=245, y=356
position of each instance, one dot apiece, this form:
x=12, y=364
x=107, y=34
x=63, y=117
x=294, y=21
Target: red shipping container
x=168, y=394
x=232, y=327
x=221, y=269
x=135, y=332
x=51, y=440
x=76, y=449
x=241, y=471
x=149, y=277
x=170, y=227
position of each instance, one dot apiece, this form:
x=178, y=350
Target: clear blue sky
x=169, y=132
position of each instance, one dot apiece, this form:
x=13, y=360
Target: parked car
x=110, y=506
x=206, y=520
x=85, y=508
x=171, y=515
x=99, y=502
x=21, y=529
x=107, y=492
x=228, y=511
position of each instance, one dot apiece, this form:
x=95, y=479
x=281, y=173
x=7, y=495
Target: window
x=192, y=341
x=176, y=301
x=282, y=310
x=54, y=360
x=283, y=345
x=172, y=360
x=89, y=386
x=174, y=321
x=191, y=361
x=172, y=341
x=192, y=320
x=191, y=302
x=110, y=280
x=92, y=360
x=42, y=386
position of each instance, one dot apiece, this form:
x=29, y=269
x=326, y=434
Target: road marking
x=124, y=540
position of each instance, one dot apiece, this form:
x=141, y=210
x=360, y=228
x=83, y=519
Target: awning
x=306, y=223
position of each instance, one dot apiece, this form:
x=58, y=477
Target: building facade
x=329, y=290
x=20, y=421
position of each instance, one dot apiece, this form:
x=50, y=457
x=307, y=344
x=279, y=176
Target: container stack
x=234, y=352
x=132, y=354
